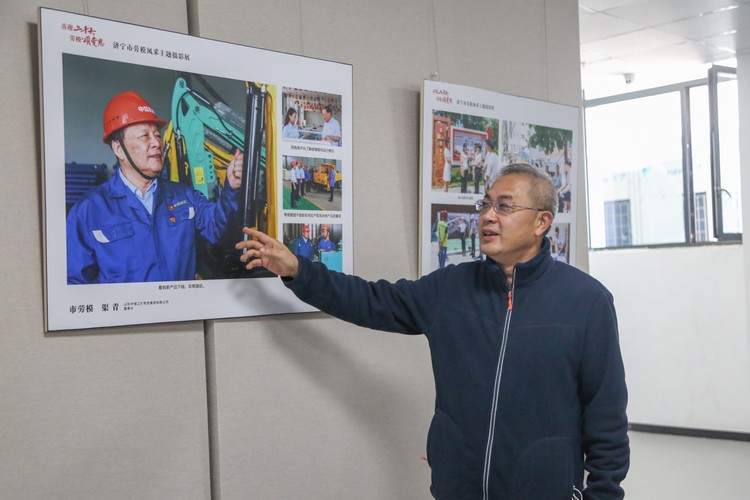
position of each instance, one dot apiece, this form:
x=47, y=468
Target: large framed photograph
x=159, y=147
x=461, y=126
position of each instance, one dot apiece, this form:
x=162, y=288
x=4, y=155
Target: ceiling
x=657, y=42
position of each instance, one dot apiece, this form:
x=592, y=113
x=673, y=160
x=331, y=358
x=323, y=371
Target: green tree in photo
x=549, y=139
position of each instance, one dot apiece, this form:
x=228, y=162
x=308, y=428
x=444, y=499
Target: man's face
x=325, y=234
x=511, y=238
x=306, y=234
x=144, y=144
x=326, y=115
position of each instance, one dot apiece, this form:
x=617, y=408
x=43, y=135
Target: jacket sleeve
x=212, y=218
x=81, y=258
x=604, y=399
x=402, y=307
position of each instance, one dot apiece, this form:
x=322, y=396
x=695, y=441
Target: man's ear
x=117, y=150
x=543, y=222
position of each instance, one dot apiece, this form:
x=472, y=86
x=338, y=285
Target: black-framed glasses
x=502, y=208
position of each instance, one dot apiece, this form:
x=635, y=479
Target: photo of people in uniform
x=155, y=164
x=311, y=183
x=460, y=148
x=454, y=235
x=559, y=240
x=468, y=151
x=311, y=116
x=320, y=242
x=155, y=158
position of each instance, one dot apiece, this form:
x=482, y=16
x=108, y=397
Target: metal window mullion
x=713, y=121
x=687, y=167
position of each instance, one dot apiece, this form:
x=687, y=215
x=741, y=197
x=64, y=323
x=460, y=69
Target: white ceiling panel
x=588, y=56
x=675, y=37
x=698, y=53
x=740, y=44
x=710, y=25
x=633, y=43
x=602, y=26
x=656, y=12
x=601, y=5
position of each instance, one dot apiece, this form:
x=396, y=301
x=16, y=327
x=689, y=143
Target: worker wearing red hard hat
x=124, y=110
x=303, y=246
x=324, y=243
x=139, y=226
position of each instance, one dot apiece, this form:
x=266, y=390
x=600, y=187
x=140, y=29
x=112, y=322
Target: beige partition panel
x=105, y=414
x=310, y=407
x=300, y=406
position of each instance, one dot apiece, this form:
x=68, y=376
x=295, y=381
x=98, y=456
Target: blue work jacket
x=324, y=245
x=304, y=247
x=111, y=237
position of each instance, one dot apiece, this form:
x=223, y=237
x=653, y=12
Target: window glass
x=617, y=223
x=700, y=137
x=729, y=154
x=634, y=155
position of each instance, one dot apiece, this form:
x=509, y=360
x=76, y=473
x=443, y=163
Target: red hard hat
x=305, y=228
x=325, y=227
x=126, y=109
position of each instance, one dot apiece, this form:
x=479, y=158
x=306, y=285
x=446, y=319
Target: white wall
x=683, y=322
x=300, y=406
x=681, y=313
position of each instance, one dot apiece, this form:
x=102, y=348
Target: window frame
x=689, y=208
x=717, y=200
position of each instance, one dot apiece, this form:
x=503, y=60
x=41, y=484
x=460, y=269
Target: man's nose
x=155, y=140
x=489, y=215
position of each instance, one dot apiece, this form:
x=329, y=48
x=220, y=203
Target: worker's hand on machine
x=234, y=170
x=260, y=250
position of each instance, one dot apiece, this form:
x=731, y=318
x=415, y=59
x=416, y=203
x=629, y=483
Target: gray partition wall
x=298, y=406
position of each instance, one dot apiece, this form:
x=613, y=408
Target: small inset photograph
x=311, y=116
x=454, y=235
x=311, y=183
x=464, y=152
x=547, y=148
x=316, y=242
x=559, y=241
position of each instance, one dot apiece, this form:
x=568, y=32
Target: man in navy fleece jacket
x=529, y=379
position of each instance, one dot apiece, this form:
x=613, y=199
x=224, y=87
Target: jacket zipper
x=496, y=392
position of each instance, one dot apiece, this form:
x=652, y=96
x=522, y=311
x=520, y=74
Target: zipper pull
x=510, y=300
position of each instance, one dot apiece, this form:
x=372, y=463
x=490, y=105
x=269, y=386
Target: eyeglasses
x=502, y=208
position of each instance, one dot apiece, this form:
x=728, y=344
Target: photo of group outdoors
x=185, y=134
x=317, y=242
x=454, y=235
x=468, y=151
x=311, y=116
x=464, y=148
x=549, y=149
x=311, y=183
